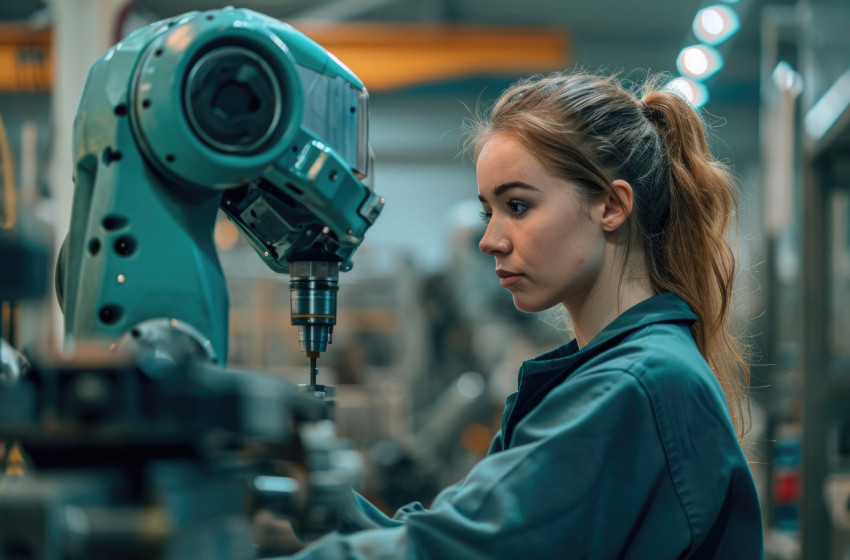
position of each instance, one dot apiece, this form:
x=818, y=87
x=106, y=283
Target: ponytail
x=703, y=205
x=589, y=130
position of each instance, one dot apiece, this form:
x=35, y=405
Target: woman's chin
x=529, y=306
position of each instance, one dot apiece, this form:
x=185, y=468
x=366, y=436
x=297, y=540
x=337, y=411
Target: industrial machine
x=142, y=442
x=223, y=109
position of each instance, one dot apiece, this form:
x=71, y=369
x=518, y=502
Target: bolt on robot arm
x=221, y=109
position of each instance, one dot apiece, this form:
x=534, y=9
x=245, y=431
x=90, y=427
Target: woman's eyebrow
x=502, y=189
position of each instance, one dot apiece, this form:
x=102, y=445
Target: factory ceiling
x=616, y=35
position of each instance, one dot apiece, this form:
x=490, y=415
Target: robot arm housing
x=221, y=109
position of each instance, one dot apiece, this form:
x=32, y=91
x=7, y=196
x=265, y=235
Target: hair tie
x=641, y=105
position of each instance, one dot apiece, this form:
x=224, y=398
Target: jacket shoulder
x=659, y=355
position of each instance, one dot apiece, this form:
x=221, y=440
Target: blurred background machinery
x=424, y=352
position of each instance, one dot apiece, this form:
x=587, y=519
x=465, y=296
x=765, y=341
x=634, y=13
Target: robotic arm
x=221, y=109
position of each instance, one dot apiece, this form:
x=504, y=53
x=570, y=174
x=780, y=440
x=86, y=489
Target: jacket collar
x=662, y=308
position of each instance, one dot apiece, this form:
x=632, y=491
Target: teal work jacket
x=621, y=449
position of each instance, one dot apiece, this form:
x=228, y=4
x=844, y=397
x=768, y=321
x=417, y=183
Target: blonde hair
x=590, y=130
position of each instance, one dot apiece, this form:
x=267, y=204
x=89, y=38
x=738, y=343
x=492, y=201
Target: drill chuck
x=313, y=288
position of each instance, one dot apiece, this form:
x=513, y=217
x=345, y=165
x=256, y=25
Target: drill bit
x=314, y=371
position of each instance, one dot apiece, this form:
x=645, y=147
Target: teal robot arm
x=224, y=109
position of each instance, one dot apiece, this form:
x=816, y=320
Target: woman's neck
x=607, y=300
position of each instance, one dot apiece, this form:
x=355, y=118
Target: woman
x=621, y=443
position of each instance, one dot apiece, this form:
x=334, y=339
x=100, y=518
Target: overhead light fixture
x=692, y=91
x=715, y=24
x=699, y=62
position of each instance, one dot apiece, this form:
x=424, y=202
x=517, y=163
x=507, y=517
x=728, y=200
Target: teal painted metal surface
x=148, y=185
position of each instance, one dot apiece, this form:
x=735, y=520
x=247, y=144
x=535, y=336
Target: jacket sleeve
x=576, y=479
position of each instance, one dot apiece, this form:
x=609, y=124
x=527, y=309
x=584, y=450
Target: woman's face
x=549, y=246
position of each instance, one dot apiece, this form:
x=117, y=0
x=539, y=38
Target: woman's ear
x=617, y=205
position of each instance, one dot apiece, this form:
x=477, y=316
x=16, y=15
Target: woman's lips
x=506, y=281
x=507, y=277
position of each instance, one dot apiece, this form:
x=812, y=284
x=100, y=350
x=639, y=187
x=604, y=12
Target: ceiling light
x=693, y=92
x=699, y=61
x=715, y=24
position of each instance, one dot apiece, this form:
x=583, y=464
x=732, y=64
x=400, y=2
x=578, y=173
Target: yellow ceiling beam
x=384, y=56
x=391, y=56
x=25, y=59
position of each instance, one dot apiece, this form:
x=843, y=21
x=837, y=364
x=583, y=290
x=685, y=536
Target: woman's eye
x=485, y=216
x=517, y=207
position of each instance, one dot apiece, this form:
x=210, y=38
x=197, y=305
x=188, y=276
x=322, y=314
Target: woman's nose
x=494, y=242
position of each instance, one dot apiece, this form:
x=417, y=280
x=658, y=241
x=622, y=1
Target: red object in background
x=786, y=487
